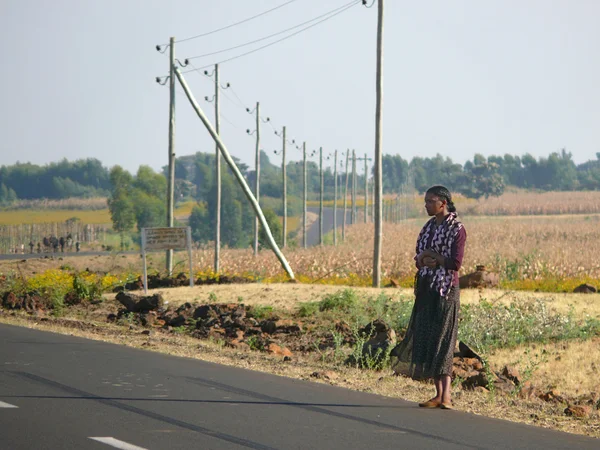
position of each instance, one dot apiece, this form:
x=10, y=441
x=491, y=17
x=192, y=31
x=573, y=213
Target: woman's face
x=434, y=205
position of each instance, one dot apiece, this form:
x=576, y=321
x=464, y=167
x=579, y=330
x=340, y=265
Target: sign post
x=165, y=239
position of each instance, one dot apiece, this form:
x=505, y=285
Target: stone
x=135, y=303
x=512, y=374
x=481, y=278
x=380, y=337
x=458, y=372
x=585, y=289
x=528, y=391
x=481, y=390
x=177, y=321
x=577, y=411
x=472, y=382
x=150, y=303
x=504, y=385
x=325, y=375
x=147, y=320
x=552, y=395
x=268, y=326
x=393, y=283
x=277, y=350
x=11, y=301
x=474, y=363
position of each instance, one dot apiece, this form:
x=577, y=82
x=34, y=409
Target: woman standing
x=428, y=347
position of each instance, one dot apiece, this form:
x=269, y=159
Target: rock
x=204, y=312
x=474, y=363
x=585, y=289
x=111, y=317
x=481, y=278
x=325, y=375
x=465, y=351
x=577, y=411
x=393, y=283
x=147, y=320
x=146, y=332
x=504, y=385
x=268, y=326
x=512, y=374
x=277, y=350
x=380, y=337
x=552, y=395
x=177, y=321
x=473, y=381
x=11, y=301
x=528, y=391
x=150, y=303
x=458, y=372
x=481, y=390
x=287, y=358
x=135, y=303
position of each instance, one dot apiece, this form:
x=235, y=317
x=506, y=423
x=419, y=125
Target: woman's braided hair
x=444, y=194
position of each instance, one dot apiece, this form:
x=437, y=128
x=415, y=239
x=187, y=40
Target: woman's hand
x=430, y=259
x=430, y=262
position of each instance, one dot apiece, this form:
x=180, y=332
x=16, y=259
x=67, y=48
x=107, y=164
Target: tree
x=481, y=180
x=274, y=226
x=200, y=223
x=120, y=203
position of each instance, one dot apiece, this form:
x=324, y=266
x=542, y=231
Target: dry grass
x=37, y=216
x=535, y=203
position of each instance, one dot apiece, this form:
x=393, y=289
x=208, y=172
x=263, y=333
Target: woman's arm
x=456, y=252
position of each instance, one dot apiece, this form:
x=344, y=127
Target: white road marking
x=116, y=443
x=7, y=405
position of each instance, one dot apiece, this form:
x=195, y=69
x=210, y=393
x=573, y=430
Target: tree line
x=138, y=200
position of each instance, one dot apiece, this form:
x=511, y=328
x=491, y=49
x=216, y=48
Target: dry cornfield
x=533, y=203
x=520, y=248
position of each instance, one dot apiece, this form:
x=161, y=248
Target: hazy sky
x=460, y=77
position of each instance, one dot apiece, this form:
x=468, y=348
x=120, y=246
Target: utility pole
x=217, y=173
x=345, y=196
x=171, y=182
x=257, y=181
x=321, y=196
x=366, y=190
x=257, y=171
x=335, y=183
x=304, y=195
x=373, y=197
x=378, y=159
x=366, y=210
x=283, y=168
x=353, y=215
x=284, y=172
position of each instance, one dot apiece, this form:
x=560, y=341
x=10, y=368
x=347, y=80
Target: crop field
x=547, y=253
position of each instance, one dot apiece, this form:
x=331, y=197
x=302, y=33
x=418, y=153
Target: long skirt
x=427, y=349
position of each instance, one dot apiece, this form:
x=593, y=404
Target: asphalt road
x=63, y=392
x=19, y=256
x=312, y=237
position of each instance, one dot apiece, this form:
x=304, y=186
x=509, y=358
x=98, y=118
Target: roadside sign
x=165, y=239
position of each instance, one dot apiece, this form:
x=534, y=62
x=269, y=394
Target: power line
x=279, y=40
x=274, y=34
x=235, y=24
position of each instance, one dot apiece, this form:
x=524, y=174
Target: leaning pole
x=237, y=174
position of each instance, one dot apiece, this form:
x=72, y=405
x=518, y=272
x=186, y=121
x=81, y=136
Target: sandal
x=446, y=406
x=429, y=404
